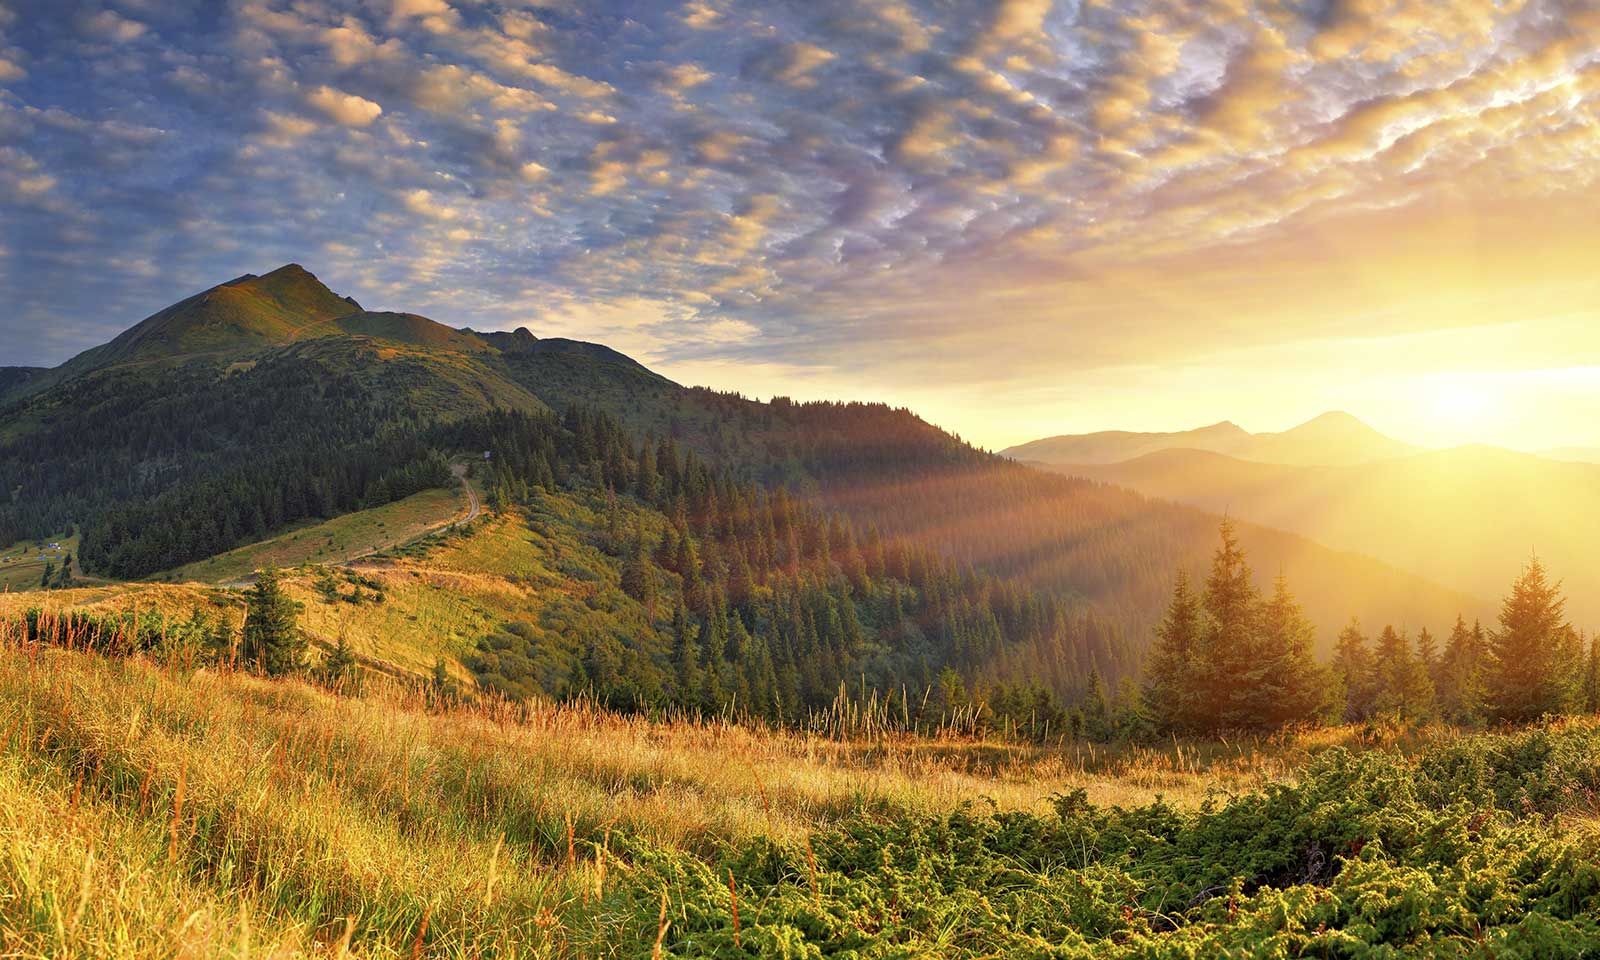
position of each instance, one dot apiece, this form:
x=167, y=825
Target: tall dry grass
x=151, y=810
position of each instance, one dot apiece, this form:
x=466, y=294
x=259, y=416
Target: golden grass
x=209, y=813
x=174, y=600
x=213, y=813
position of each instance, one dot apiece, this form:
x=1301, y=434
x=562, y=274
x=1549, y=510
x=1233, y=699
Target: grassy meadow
x=152, y=809
x=22, y=564
x=148, y=810
x=338, y=540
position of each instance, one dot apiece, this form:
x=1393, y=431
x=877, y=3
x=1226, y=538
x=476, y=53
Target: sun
x=1457, y=404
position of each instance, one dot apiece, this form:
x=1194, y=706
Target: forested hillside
x=1097, y=543
x=259, y=403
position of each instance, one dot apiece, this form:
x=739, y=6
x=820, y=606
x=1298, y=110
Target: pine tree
x=272, y=643
x=339, y=670
x=1531, y=670
x=1295, y=688
x=685, y=659
x=1169, y=676
x=1403, y=688
x=1228, y=666
x=1353, y=673
x=1592, y=681
x=1460, y=686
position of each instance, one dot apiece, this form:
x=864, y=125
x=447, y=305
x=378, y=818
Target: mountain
x=1114, y=446
x=271, y=400
x=1572, y=454
x=13, y=378
x=1332, y=438
x=1468, y=517
x=241, y=315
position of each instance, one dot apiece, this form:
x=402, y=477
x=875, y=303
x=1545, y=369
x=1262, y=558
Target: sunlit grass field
x=332, y=541
x=149, y=811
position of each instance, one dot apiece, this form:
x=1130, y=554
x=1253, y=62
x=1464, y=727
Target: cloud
x=420, y=8
x=953, y=175
x=109, y=25
x=685, y=76
x=799, y=60
x=422, y=202
x=350, y=44
x=284, y=129
x=35, y=185
x=344, y=108
x=700, y=15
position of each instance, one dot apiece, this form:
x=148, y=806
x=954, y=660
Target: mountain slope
x=1467, y=517
x=1114, y=446
x=244, y=314
x=13, y=378
x=1105, y=546
x=274, y=416
x=1332, y=438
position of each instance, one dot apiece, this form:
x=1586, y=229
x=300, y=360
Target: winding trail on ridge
x=474, y=508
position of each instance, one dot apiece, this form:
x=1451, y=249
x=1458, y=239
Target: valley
x=1466, y=517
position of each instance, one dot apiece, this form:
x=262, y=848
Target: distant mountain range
x=1572, y=454
x=230, y=391
x=1333, y=438
x=1467, y=517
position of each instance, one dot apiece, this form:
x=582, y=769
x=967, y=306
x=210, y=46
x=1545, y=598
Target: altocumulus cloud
x=752, y=181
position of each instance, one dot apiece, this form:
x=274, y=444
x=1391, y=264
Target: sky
x=1019, y=218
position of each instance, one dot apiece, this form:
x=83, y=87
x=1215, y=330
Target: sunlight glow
x=1458, y=402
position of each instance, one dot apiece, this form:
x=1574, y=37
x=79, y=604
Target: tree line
x=1226, y=658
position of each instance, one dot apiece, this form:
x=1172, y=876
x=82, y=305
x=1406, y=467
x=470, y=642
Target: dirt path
x=459, y=471
x=474, y=508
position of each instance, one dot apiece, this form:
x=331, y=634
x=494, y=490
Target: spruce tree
x=1228, y=665
x=636, y=579
x=685, y=659
x=272, y=643
x=1353, y=673
x=1293, y=687
x=1096, y=708
x=1532, y=669
x=339, y=670
x=1133, y=721
x=1404, y=690
x=1169, y=688
x=1430, y=660
x=1460, y=686
x=1592, y=680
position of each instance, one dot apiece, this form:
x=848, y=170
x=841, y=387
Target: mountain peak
x=1336, y=418
x=245, y=313
x=289, y=273
x=1335, y=437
